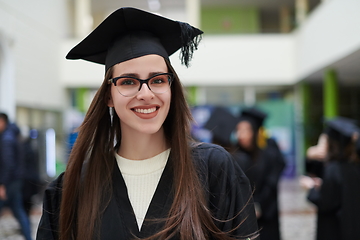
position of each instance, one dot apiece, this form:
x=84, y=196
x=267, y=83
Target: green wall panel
x=331, y=98
x=222, y=20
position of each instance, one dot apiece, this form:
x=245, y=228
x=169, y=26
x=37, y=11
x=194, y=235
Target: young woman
x=263, y=163
x=134, y=172
x=337, y=195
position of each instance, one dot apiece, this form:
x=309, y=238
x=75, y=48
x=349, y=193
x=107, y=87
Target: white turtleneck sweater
x=141, y=178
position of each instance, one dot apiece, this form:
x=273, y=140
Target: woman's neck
x=139, y=146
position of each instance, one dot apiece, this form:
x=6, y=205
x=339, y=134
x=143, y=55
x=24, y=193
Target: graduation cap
x=129, y=33
x=221, y=123
x=341, y=129
x=254, y=115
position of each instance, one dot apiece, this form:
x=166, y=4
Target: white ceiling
x=106, y=5
x=110, y=5
x=347, y=68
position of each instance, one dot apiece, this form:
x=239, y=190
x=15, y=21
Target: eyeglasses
x=129, y=86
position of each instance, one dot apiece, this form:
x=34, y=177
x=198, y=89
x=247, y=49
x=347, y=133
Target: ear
x=110, y=102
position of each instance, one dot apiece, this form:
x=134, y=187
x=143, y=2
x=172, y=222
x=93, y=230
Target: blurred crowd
x=331, y=175
x=19, y=178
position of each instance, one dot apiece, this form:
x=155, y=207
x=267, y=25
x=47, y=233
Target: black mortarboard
x=341, y=129
x=221, y=123
x=129, y=33
x=254, y=115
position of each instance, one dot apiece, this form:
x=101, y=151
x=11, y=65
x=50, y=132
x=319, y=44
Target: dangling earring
x=111, y=112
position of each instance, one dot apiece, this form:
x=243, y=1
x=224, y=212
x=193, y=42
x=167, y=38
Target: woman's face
x=2, y=125
x=145, y=112
x=245, y=134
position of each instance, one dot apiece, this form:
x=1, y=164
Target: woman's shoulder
x=55, y=186
x=209, y=152
x=49, y=222
x=205, y=146
x=214, y=159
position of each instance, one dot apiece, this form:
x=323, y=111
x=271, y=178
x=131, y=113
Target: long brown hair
x=83, y=187
x=340, y=150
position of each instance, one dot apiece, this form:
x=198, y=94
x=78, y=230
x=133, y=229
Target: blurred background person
x=11, y=171
x=261, y=160
x=221, y=123
x=337, y=195
x=32, y=184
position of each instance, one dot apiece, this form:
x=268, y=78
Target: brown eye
x=126, y=81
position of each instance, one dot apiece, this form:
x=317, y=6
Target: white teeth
x=149, y=110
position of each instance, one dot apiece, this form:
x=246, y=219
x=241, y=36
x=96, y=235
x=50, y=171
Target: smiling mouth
x=145, y=111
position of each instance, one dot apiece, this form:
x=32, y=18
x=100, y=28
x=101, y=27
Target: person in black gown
x=262, y=161
x=337, y=193
x=134, y=172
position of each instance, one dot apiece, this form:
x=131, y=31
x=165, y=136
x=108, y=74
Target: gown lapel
x=157, y=211
x=160, y=204
x=127, y=216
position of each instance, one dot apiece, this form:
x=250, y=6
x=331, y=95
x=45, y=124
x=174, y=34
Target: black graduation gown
x=227, y=188
x=350, y=209
x=264, y=174
x=338, y=202
x=314, y=168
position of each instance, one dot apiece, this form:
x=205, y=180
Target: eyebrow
x=135, y=75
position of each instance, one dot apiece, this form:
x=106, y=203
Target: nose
x=145, y=92
x=141, y=86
